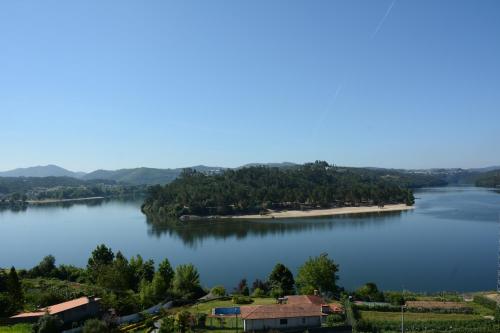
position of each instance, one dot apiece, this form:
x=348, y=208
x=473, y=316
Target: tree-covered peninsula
x=259, y=189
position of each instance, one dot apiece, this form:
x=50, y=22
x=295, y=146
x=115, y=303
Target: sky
x=117, y=84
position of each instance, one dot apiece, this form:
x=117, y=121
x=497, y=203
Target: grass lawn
x=208, y=306
x=412, y=316
x=18, y=328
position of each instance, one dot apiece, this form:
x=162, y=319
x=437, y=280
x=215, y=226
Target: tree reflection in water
x=192, y=233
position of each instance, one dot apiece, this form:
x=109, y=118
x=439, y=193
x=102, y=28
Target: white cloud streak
x=381, y=23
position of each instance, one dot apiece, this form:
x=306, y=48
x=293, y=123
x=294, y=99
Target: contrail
x=326, y=112
x=381, y=23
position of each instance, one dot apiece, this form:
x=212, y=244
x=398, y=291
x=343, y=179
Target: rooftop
x=57, y=308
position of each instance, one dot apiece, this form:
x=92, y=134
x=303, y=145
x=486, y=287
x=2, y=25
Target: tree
x=318, y=273
x=45, y=268
x=370, y=292
x=410, y=199
x=187, y=281
x=101, y=257
x=281, y=278
x=242, y=288
x=141, y=270
x=218, y=291
x=15, y=290
x=95, y=326
x=166, y=272
x=47, y=324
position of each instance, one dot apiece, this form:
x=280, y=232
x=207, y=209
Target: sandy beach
x=326, y=212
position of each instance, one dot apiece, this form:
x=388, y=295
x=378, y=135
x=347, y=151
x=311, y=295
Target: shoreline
x=322, y=212
x=49, y=201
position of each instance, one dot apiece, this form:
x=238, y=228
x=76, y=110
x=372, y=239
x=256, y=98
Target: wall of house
x=266, y=324
x=82, y=312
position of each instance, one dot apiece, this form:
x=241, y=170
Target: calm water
x=449, y=242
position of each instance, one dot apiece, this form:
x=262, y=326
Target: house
x=69, y=312
x=301, y=311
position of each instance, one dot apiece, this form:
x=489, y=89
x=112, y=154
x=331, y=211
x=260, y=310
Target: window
x=303, y=320
x=283, y=321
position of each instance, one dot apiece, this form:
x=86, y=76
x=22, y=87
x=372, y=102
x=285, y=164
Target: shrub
x=333, y=320
x=258, y=293
x=242, y=299
x=218, y=291
x=95, y=326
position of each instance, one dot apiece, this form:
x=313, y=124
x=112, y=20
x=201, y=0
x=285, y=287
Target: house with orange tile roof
x=69, y=312
x=297, y=311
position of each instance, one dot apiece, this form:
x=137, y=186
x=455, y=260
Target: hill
x=257, y=189
x=146, y=176
x=41, y=171
x=489, y=179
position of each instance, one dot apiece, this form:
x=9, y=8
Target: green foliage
x=167, y=325
x=485, y=301
x=242, y=288
x=218, y=291
x=238, y=299
x=281, y=279
x=334, y=320
x=95, y=326
x=48, y=324
x=318, y=273
x=489, y=179
x=14, y=291
x=100, y=258
x=183, y=321
x=258, y=293
x=166, y=272
x=187, y=282
x=369, y=292
x=255, y=189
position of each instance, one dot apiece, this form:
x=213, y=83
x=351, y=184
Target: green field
x=19, y=328
x=412, y=316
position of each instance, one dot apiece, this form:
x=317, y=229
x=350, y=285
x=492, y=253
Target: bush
x=95, y=326
x=333, y=320
x=48, y=324
x=218, y=291
x=258, y=293
x=242, y=300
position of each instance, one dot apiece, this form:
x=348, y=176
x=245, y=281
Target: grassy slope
x=19, y=328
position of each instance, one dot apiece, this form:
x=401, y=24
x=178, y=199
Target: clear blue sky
x=113, y=84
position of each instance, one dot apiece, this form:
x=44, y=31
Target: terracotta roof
x=304, y=299
x=280, y=311
x=57, y=308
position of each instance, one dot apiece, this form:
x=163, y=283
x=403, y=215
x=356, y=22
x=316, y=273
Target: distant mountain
x=486, y=169
x=145, y=176
x=41, y=171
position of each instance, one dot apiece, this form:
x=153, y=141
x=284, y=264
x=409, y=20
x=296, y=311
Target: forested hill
x=489, y=179
x=254, y=189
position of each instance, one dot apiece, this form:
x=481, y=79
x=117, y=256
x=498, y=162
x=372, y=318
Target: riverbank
x=49, y=201
x=324, y=212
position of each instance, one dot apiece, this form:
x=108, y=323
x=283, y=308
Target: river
x=448, y=242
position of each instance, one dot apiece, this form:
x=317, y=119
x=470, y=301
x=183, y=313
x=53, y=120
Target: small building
x=301, y=311
x=69, y=312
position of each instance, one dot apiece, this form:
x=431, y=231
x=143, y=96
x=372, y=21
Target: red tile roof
x=304, y=299
x=280, y=311
x=57, y=308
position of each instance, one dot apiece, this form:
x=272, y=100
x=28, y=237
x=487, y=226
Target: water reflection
x=192, y=233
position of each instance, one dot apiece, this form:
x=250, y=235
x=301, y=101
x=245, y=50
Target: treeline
x=17, y=189
x=489, y=179
x=257, y=189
